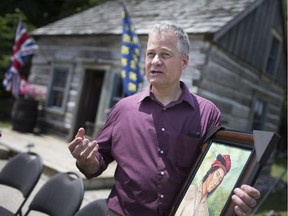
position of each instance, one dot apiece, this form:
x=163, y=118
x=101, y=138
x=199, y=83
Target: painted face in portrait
x=214, y=179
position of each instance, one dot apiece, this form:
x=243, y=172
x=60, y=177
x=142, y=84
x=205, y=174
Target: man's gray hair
x=183, y=43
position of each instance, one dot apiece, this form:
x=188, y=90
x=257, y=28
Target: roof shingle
x=195, y=16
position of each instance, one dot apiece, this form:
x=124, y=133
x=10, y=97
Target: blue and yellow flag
x=131, y=55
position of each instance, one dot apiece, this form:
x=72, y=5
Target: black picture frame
x=248, y=152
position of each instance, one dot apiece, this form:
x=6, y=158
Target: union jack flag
x=24, y=48
x=131, y=55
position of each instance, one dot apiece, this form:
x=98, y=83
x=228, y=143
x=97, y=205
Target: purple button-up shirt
x=154, y=147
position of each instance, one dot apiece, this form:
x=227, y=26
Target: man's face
x=214, y=179
x=164, y=64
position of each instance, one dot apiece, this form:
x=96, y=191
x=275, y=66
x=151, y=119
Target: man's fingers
x=78, y=139
x=88, y=152
x=243, y=200
x=94, y=152
x=74, y=143
x=79, y=148
x=251, y=191
x=243, y=207
x=238, y=211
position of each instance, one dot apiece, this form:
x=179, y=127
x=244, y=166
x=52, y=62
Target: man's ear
x=185, y=61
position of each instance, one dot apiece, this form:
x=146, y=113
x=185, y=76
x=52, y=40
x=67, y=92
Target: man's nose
x=156, y=60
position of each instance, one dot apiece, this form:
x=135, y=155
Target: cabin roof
x=195, y=16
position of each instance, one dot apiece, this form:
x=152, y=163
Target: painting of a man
x=194, y=201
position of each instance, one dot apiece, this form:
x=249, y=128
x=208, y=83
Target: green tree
x=42, y=12
x=8, y=25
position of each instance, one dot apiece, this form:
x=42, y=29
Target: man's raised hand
x=84, y=151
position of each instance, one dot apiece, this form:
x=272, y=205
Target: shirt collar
x=185, y=95
x=145, y=93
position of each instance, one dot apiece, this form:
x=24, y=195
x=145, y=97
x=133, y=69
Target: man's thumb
x=80, y=133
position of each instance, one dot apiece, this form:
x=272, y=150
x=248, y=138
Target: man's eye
x=165, y=55
x=150, y=55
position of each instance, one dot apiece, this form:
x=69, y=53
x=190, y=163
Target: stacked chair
x=61, y=195
x=95, y=208
x=22, y=173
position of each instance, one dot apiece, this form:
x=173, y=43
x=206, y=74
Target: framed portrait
x=228, y=160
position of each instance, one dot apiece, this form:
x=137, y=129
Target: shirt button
x=164, y=108
x=161, y=196
x=161, y=151
x=162, y=173
x=163, y=129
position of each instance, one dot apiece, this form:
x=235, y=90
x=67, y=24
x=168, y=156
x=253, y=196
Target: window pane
x=57, y=91
x=273, y=56
x=259, y=115
x=56, y=98
x=60, y=78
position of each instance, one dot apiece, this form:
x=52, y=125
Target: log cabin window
x=259, y=113
x=117, y=90
x=273, y=56
x=59, y=82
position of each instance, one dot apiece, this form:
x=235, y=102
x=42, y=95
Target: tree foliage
x=42, y=12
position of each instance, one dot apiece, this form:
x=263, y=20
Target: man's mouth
x=155, y=72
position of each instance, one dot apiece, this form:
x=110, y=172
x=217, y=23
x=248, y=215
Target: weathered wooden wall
x=233, y=86
x=79, y=53
x=250, y=38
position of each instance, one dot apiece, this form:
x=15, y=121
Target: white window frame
x=59, y=109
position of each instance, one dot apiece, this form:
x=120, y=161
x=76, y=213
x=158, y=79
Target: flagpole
x=122, y=3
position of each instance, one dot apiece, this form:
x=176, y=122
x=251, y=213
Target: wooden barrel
x=24, y=115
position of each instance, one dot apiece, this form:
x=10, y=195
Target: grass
x=276, y=203
x=5, y=124
x=279, y=165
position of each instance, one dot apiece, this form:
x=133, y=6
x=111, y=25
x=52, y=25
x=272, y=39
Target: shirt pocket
x=186, y=151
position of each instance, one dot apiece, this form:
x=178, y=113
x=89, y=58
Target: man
x=155, y=135
x=194, y=201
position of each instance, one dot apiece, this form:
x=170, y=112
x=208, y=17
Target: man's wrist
x=87, y=170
